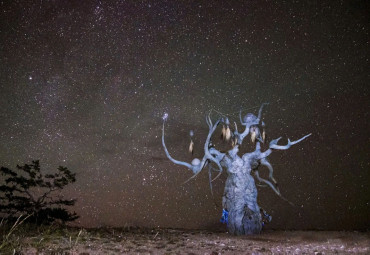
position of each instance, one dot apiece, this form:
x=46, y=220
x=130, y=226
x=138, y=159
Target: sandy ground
x=170, y=241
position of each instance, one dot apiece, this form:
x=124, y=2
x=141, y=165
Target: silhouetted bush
x=27, y=191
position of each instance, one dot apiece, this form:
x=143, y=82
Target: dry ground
x=63, y=240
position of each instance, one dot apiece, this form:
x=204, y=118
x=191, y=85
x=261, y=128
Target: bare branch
x=248, y=121
x=265, y=162
x=171, y=158
x=275, y=189
x=197, y=165
x=274, y=145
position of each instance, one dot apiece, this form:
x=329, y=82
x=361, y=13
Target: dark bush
x=27, y=191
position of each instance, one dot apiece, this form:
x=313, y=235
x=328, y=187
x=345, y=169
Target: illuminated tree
x=240, y=208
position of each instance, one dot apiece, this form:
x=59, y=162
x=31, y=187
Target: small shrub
x=29, y=192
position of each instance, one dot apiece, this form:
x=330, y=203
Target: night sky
x=84, y=84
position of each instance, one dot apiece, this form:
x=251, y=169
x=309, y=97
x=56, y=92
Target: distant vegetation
x=28, y=192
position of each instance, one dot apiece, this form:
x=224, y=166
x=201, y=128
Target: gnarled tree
x=240, y=208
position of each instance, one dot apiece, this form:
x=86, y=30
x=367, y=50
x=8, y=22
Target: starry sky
x=84, y=84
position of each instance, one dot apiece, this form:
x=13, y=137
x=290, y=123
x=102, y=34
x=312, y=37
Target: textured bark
x=240, y=196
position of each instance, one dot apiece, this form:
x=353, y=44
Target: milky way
x=84, y=84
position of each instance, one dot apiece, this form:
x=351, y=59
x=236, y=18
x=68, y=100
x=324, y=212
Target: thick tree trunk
x=240, y=200
x=244, y=221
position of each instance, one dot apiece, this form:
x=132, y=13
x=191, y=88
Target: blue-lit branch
x=197, y=165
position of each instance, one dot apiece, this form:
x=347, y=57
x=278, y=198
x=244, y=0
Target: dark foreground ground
x=63, y=240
